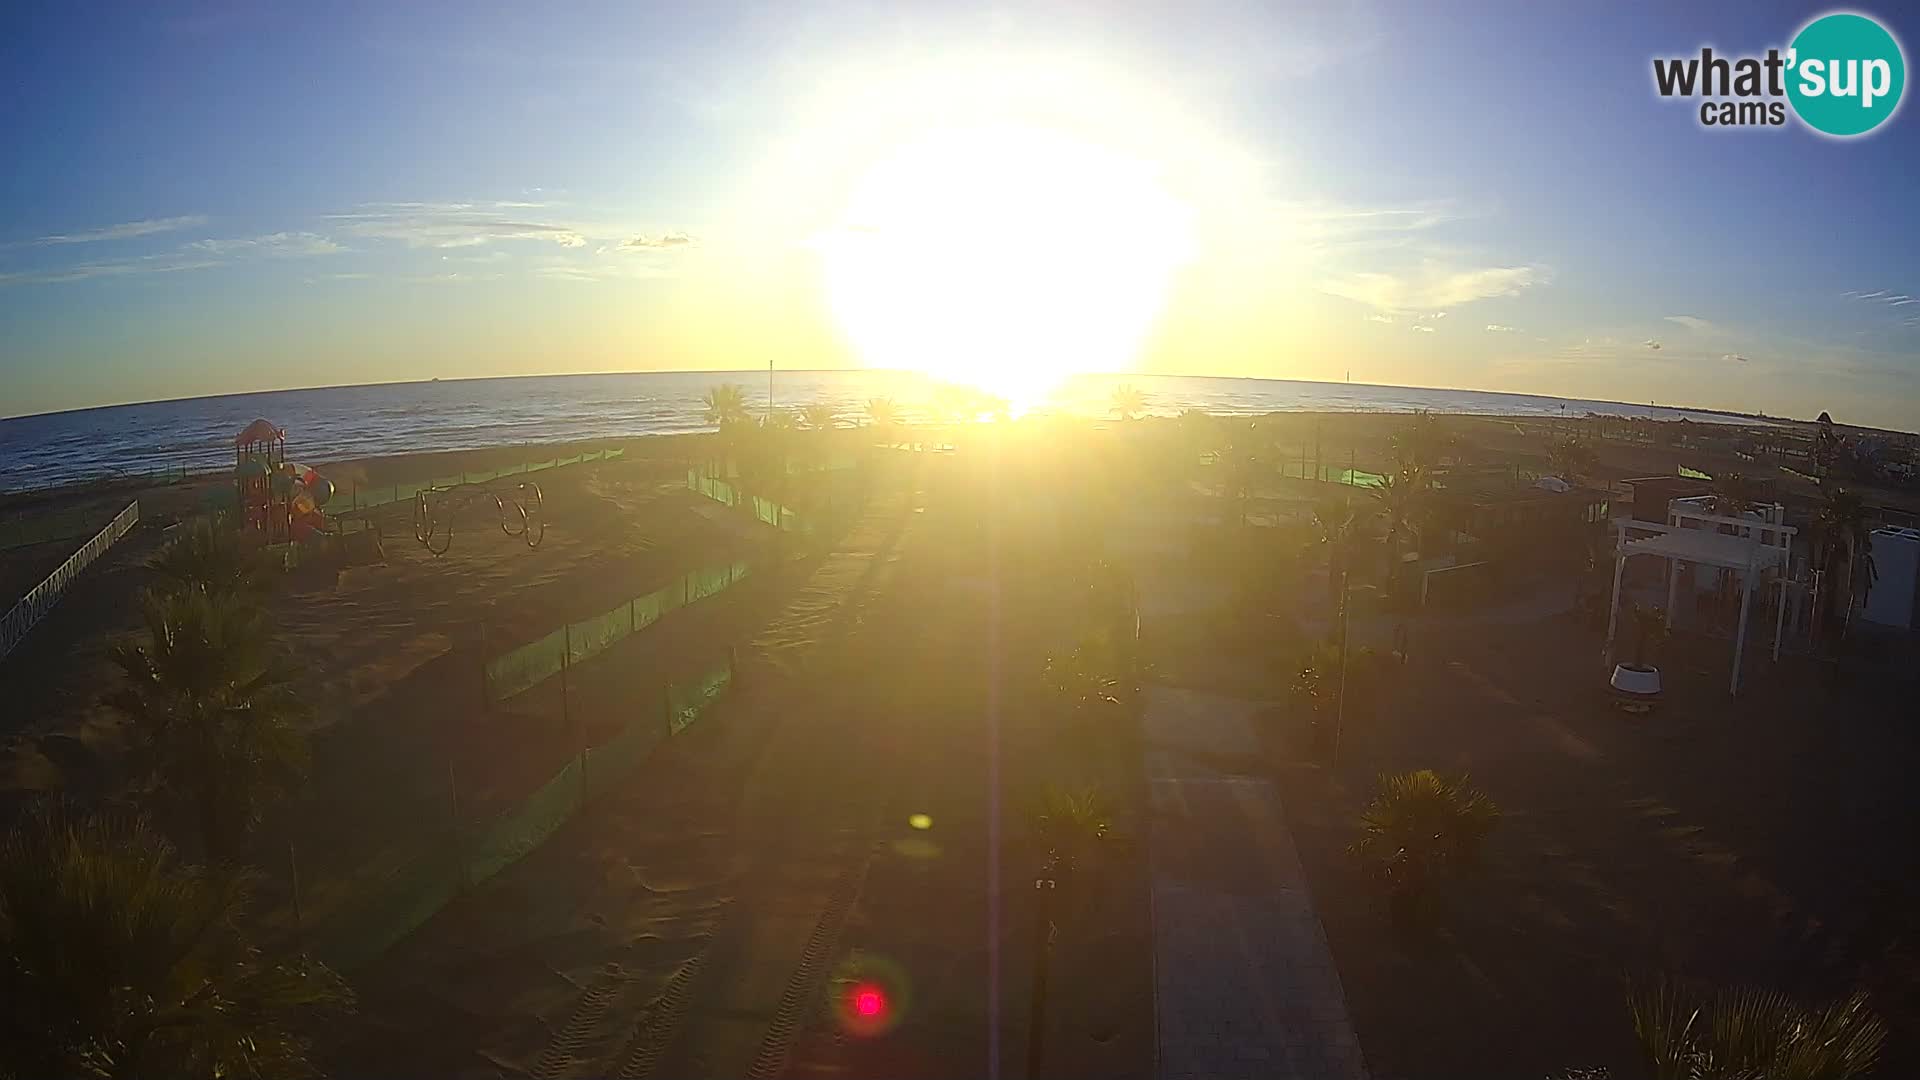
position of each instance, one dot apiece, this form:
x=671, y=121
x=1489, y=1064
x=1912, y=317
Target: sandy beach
x=694, y=920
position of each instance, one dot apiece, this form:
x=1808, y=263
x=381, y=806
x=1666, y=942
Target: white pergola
x=1754, y=545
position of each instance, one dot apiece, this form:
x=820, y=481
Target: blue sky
x=227, y=197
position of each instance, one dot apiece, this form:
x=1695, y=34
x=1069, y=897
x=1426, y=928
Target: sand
x=690, y=924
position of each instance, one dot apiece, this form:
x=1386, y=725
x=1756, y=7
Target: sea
x=343, y=422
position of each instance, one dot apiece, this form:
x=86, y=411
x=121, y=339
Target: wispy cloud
x=127, y=230
x=451, y=225
x=1882, y=296
x=1735, y=357
x=280, y=244
x=1328, y=227
x=1650, y=344
x=1424, y=329
x=150, y=264
x=660, y=242
x=1500, y=328
x=1433, y=285
x=1694, y=323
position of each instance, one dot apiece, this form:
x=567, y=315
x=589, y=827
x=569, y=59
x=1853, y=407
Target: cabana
x=1756, y=545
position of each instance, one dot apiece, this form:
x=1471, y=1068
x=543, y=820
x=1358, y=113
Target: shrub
x=1421, y=827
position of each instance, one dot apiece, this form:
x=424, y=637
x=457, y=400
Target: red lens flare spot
x=869, y=1002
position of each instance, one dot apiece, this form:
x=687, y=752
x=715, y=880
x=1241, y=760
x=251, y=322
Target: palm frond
x=1693, y=1033
x=116, y=960
x=214, y=710
x=209, y=555
x=1420, y=824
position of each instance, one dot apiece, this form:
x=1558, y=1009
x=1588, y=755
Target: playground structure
x=277, y=501
x=435, y=508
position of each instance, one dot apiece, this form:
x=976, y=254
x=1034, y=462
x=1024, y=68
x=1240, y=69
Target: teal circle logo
x=1845, y=74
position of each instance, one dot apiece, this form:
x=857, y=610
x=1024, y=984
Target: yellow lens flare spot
x=920, y=821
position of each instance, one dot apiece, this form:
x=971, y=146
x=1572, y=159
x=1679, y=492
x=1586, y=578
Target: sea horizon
x=371, y=419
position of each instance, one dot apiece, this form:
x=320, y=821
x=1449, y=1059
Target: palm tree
x=1239, y=451
x=1649, y=630
x=1421, y=826
x=1073, y=827
x=1691, y=1033
x=726, y=403
x=1129, y=402
x=1403, y=498
x=1339, y=528
x=883, y=414
x=1423, y=441
x=726, y=409
x=1083, y=681
x=1843, y=528
x=209, y=555
x=1734, y=494
x=115, y=962
x=1572, y=459
x=213, y=710
x=819, y=418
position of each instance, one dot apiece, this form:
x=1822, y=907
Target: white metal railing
x=34, y=606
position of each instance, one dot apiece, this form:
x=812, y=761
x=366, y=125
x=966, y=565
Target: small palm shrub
x=1691, y=1033
x=118, y=961
x=209, y=555
x=1420, y=828
x=214, y=711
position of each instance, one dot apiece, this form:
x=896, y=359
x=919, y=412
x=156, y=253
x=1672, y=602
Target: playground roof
x=258, y=431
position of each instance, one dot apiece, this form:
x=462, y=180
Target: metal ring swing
x=434, y=510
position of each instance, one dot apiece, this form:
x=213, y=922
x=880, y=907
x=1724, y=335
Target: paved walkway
x=1244, y=983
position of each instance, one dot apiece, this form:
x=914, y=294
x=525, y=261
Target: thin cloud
x=1328, y=228
x=662, y=242
x=1651, y=344
x=1424, y=329
x=1693, y=323
x=453, y=225
x=1735, y=357
x=1379, y=318
x=1882, y=296
x=126, y=230
x=1499, y=328
x=151, y=264
x=1434, y=285
x=280, y=244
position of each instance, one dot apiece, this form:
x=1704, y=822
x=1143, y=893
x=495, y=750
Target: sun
x=1006, y=257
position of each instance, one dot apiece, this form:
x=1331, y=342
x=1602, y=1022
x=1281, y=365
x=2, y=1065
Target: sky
x=213, y=198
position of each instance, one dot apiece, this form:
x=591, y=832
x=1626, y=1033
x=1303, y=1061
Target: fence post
x=293, y=872
x=566, y=661
x=486, y=684
x=630, y=626
x=459, y=834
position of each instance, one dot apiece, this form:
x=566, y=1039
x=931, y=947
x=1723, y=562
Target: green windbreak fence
x=401, y=901
x=536, y=661
x=765, y=510
x=364, y=497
